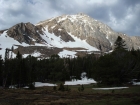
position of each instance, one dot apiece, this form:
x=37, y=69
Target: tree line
x=25, y=71
x=115, y=68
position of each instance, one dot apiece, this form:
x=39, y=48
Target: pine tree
x=120, y=44
x=18, y=56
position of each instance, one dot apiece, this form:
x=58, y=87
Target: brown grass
x=46, y=96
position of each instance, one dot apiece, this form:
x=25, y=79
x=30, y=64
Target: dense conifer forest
x=113, y=69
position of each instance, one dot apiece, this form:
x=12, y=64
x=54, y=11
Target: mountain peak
x=84, y=27
x=63, y=33
x=75, y=17
x=81, y=26
x=81, y=14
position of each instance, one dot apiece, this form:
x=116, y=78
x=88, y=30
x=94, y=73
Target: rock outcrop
x=25, y=32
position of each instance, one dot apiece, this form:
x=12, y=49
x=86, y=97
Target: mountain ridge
x=106, y=34
x=67, y=31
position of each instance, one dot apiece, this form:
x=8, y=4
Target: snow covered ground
x=136, y=83
x=84, y=80
x=37, y=84
x=80, y=82
x=40, y=84
x=66, y=53
x=111, y=88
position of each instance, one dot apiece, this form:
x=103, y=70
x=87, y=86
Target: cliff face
x=25, y=32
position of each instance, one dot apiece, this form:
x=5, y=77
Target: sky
x=121, y=15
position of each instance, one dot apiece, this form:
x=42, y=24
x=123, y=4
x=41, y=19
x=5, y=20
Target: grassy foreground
x=48, y=96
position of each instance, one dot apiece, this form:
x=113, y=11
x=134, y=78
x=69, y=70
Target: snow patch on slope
x=82, y=43
x=66, y=53
x=7, y=42
x=56, y=41
x=35, y=54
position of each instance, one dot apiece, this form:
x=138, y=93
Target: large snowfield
x=56, y=41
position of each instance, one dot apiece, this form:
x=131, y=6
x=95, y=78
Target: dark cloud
x=119, y=11
x=100, y=13
x=130, y=2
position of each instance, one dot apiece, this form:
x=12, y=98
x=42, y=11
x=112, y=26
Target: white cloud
x=16, y=11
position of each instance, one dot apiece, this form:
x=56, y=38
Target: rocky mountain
x=82, y=26
x=69, y=35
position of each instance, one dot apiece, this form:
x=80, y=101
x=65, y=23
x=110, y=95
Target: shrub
x=81, y=88
x=61, y=87
x=67, y=88
x=54, y=88
x=31, y=86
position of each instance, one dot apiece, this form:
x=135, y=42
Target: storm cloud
x=121, y=15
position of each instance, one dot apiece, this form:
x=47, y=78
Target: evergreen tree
x=120, y=44
x=18, y=56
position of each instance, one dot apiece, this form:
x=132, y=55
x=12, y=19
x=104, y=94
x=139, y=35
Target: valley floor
x=47, y=96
